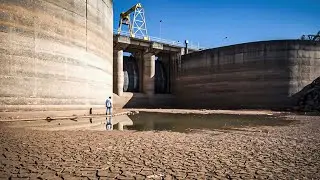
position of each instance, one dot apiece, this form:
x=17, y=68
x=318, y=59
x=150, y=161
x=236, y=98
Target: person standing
x=109, y=106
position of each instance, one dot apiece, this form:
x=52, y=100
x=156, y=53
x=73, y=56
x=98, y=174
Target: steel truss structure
x=136, y=28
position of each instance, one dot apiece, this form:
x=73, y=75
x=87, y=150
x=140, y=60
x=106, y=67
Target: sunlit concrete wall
x=55, y=54
x=252, y=75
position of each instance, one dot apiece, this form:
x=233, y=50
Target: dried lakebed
x=283, y=151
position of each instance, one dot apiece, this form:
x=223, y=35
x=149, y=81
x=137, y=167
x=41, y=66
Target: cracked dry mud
x=286, y=152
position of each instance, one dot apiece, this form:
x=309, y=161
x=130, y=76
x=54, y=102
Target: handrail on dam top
x=161, y=40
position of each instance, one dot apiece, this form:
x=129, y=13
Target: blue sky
x=215, y=23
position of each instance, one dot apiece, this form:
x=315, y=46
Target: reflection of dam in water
x=156, y=122
x=145, y=121
x=75, y=124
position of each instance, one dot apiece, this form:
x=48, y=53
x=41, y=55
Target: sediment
x=284, y=152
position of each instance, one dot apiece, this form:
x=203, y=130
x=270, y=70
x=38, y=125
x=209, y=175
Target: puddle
x=95, y=123
x=156, y=122
x=189, y=122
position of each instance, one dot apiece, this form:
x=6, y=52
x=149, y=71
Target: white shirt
x=108, y=103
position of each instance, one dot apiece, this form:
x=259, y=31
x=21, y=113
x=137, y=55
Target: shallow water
x=146, y=121
x=189, y=122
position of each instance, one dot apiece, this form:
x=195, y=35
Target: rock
x=102, y=173
x=156, y=176
x=310, y=98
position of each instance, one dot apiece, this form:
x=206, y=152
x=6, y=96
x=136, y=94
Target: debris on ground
x=310, y=97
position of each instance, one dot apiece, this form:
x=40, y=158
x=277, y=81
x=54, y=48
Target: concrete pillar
x=149, y=70
x=118, y=72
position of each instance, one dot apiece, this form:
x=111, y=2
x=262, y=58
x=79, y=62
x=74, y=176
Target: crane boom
x=132, y=9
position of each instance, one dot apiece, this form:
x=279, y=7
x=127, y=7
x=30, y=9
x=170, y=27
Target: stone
x=102, y=173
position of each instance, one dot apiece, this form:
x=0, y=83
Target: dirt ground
x=284, y=152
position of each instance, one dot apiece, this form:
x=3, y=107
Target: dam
x=55, y=54
x=253, y=75
x=243, y=109
x=263, y=74
x=60, y=55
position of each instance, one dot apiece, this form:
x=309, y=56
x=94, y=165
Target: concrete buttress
x=118, y=71
x=148, y=73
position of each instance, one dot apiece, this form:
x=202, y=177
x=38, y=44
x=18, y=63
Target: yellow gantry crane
x=136, y=28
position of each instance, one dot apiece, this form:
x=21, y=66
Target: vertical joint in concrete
x=149, y=69
x=118, y=72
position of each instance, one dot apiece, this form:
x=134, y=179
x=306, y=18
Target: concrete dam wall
x=251, y=75
x=133, y=94
x=55, y=54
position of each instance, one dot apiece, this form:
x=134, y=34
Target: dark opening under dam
x=132, y=77
x=131, y=74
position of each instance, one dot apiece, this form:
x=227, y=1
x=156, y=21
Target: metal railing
x=161, y=40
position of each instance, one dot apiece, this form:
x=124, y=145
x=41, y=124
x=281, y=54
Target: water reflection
x=109, y=123
x=156, y=122
x=188, y=122
x=123, y=122
x=118, y=122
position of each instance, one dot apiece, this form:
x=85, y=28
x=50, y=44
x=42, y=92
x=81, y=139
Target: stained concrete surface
x=55, y=54
x=259, y=75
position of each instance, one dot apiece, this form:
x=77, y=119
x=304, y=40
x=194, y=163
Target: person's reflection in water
x=109, y=123
x=90, y=120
